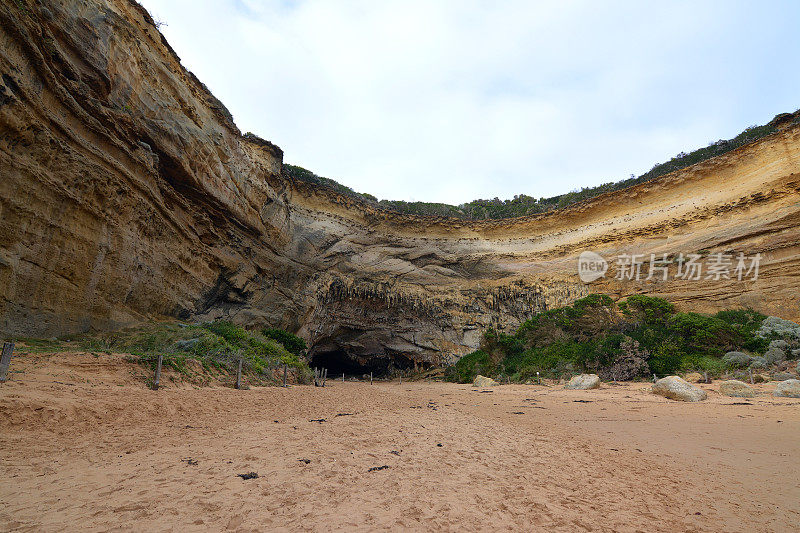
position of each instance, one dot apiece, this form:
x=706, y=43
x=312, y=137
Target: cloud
x=456, y=100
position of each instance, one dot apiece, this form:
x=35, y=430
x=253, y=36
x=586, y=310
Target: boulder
x=584, y=382
x=758, y=363
x=483, y=381
x=675, y=388
x=774, y=355
x=694, y=377
x=788, y=389
x=782, y=376
x=738, y=389
x=736, y=359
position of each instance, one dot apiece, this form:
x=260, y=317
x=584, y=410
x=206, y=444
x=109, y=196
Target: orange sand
x=98, y=451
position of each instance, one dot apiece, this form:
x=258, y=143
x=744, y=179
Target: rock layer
x=128, y=194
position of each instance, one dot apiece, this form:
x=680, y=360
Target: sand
x=85, y=446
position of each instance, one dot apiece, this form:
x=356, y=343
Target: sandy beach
x=87, y=447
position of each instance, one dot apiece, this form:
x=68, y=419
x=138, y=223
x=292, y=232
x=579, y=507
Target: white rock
x=736, y=388
x=584, y=382
x=483, y=381
x=675, y=388
x=788, y=389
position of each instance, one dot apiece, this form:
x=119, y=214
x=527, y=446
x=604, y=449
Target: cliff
x=127, y=193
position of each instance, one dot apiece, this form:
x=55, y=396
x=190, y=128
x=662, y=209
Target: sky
x=451, y=101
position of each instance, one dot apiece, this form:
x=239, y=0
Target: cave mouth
x=340, y=362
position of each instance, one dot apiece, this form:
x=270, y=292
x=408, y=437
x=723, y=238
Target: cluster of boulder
x=675, y=388
x=777, y=357
x=777, y=352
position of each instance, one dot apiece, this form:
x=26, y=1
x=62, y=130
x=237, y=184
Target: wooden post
x=370, y=378
x=239, y=374
x=342, y=377
x=751, y=375
x=705, y=374
x=316, y=377
x=285, y=369
x=324, y=376
x=5, y=360
x=654, y=378
x=538, y=379
x=158, y=371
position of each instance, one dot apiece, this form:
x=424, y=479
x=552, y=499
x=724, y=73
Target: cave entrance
x=340, y=362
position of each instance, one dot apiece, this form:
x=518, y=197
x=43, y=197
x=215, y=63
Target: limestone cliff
x=127, y=193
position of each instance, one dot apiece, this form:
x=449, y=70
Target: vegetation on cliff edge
x=523, y=204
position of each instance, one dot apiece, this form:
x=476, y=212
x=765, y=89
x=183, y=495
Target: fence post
x=370, y=378
x=324, y=376
x=285, y=368
x=316, y=377
x=158, y=371
x=5, y=360
x=342, y=377
x=239, y=374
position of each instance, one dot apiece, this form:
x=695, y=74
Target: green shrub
x=642, y=334
x=648, y=309
x=293, y=343
x=469, y=366
x=215, y=344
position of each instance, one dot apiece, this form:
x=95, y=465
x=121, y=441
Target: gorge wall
x=128, y=194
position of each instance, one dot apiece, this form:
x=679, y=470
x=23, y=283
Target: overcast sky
x=456, y=100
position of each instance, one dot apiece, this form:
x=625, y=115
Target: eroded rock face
x=128, y=194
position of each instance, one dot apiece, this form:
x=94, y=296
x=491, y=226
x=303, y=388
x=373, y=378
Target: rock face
x=129, y=194
x=584, y=382
x=483, y=381
x=675, y=388
x=788, y=389
x=736, y=388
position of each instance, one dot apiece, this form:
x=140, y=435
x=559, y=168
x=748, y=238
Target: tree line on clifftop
x=523, y=204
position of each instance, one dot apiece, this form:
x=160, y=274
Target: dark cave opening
x=339, y=362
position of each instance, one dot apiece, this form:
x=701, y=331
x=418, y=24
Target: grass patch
x=216, y=345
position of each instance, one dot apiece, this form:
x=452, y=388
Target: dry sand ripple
x=110, y=454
